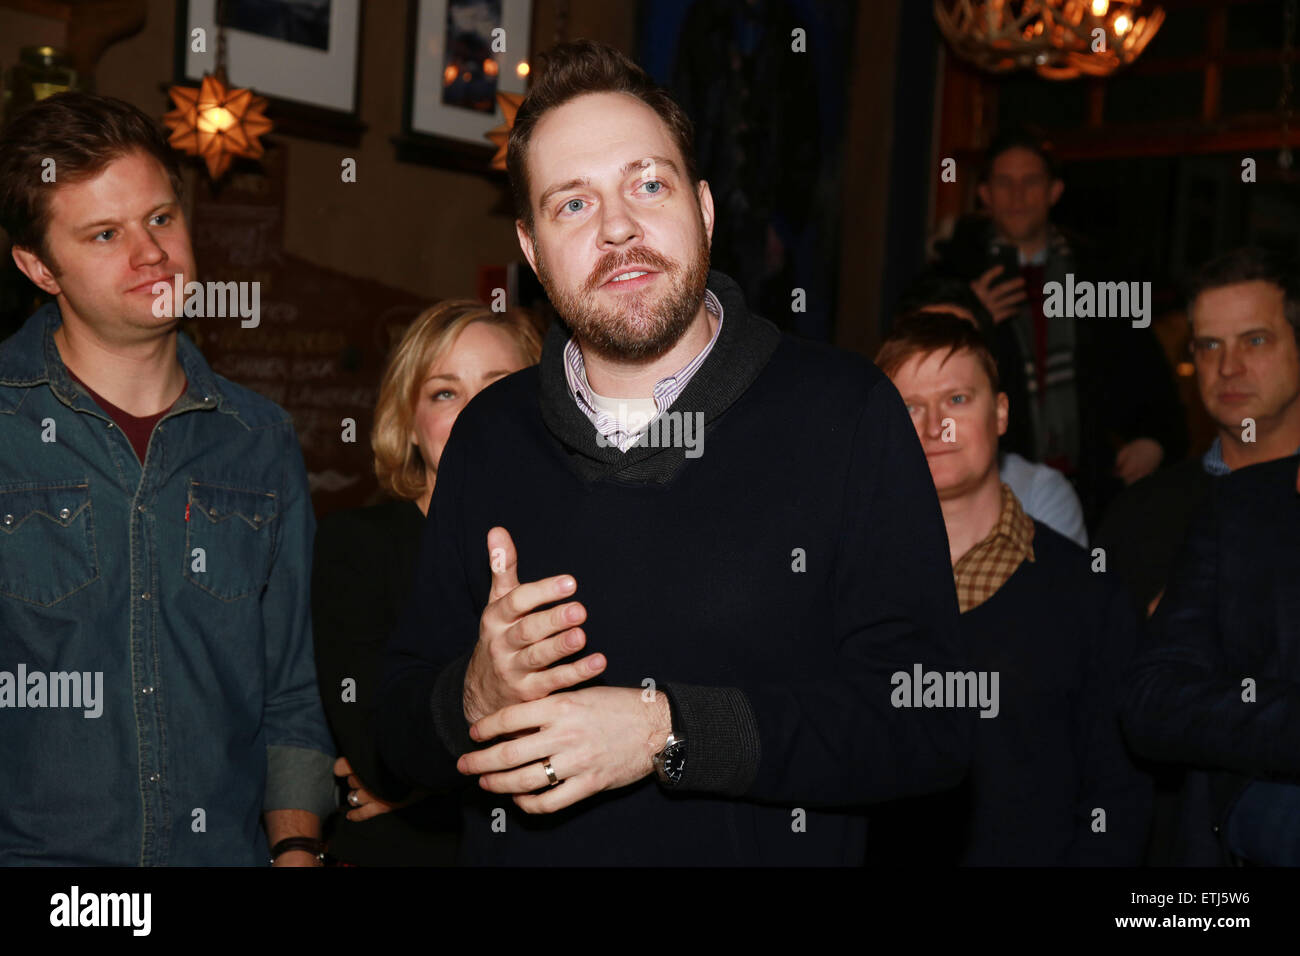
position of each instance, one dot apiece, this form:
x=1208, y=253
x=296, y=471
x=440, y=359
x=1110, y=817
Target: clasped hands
x=593, y=739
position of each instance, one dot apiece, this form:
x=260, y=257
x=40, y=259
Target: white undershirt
x=633, y=414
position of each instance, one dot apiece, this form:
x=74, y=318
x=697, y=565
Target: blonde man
x=1051, y=783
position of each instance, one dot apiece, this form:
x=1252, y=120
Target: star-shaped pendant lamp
x=500, y=135
x=217, y=123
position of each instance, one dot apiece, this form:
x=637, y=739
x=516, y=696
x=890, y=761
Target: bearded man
x=696, y=667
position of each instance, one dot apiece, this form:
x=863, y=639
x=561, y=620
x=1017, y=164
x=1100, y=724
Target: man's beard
x=640, y=327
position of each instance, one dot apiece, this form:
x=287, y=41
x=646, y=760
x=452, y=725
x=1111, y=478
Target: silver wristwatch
x=671, y=761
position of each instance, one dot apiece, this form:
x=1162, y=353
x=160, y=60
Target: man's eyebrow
x=945, y=389
x=663, y=161
x=561, y=187
x=1236, y=335
x=114, y=222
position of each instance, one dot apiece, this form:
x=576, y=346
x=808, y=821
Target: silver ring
x=550, y=773
x=354, y=799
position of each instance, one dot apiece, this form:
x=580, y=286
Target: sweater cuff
x=298, y=778
x=722, y=745
x=447, y=703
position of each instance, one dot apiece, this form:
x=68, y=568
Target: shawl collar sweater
x=770, y=587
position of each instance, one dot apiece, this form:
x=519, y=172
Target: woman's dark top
x=364, y=562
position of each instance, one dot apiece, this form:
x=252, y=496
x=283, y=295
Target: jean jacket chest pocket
x=229, y=539
x=47, y=541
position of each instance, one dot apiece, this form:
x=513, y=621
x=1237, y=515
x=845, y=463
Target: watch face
x=675, y=761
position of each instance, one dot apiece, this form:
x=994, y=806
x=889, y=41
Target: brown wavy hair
x=82, y=133
x=399, y=466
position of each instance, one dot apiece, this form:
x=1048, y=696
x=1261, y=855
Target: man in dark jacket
x=1093, y=394
x=1244, y=311
x=747, y=598
x=1219, y=686
x=1051, y=782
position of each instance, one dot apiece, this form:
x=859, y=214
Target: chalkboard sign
x=321, y=339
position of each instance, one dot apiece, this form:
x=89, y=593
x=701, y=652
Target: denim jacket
x=181, y=590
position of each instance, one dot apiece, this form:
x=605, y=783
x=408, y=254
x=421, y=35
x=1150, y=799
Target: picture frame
x=445, y=122
x=304, y=56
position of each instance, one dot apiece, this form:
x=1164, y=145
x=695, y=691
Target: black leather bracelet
x=311, y=845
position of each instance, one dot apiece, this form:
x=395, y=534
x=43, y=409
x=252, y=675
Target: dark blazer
x=1231, y=613
x=1142, y=535
x=364, y=566
x=1144, y=527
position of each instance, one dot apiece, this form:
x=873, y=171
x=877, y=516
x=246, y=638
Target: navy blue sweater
x=779, y=678
x=1060, y=637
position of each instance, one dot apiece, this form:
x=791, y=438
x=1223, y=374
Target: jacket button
x=146, y=691
x=144, y=596
x=9, y=519
x=213, y=512
x=110, y=425
x=154, y=778
x=65, y=513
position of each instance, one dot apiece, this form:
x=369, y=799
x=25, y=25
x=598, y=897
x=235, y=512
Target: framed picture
x=460, y=54
x=302, y=55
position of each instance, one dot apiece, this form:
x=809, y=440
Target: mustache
x=615, y=263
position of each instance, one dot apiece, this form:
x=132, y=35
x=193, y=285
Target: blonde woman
x=365, y=561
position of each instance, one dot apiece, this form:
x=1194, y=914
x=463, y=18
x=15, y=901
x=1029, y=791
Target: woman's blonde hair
x=399, y=466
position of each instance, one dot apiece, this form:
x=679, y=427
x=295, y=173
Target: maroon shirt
x=137, y=430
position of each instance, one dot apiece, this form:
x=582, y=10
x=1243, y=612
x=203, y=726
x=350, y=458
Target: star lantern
x=217, y=123
x=509, y=103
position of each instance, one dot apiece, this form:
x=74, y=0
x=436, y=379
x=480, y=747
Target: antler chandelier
x=1060, y=39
